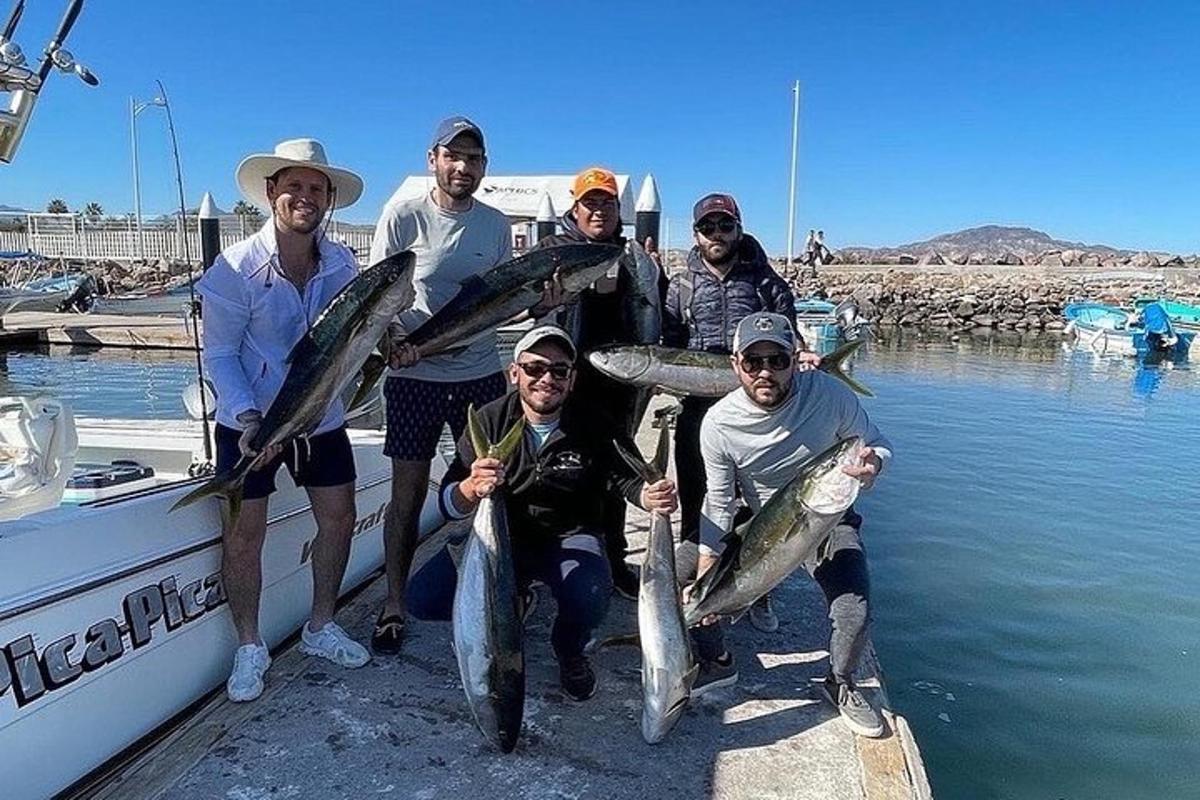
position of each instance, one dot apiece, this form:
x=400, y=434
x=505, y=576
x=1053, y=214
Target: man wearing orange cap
x=595, y=321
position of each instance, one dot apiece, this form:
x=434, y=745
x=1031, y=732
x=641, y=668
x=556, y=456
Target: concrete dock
x=26, y=328
x=400, y=726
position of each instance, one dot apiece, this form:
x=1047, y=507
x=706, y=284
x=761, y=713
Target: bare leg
x=333, y=507
x=241, y=567
x=410, y=484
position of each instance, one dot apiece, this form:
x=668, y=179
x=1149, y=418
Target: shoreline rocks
x=961, y=301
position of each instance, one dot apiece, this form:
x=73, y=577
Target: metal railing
x=83, y=242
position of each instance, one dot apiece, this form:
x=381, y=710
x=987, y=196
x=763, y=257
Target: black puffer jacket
x=556, y=490
x=707, y=320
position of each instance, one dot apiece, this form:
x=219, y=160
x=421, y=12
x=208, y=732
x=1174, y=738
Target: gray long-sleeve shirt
x=758, y=450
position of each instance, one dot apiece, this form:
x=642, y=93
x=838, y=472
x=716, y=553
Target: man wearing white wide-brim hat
x=260, y=296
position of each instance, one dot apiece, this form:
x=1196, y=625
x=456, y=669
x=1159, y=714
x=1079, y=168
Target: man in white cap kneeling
x=260, y=296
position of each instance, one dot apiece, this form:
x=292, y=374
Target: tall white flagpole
x=791, y=230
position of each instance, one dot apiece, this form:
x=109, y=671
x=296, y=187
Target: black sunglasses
x=708, y=227
x=537, y=370
x=775, y=362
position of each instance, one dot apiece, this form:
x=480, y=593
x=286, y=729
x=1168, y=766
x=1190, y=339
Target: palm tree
x=248, y=215
x=57, y=206
x=93, y=211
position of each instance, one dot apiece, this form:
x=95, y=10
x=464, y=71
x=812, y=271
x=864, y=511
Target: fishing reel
x=24, y=83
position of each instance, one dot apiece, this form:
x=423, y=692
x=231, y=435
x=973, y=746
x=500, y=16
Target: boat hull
x=96, y=658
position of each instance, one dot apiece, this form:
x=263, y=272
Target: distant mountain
x=993, y=238
x=1002, y=244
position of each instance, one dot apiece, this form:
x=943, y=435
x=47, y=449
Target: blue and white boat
x=824, y=325
x=1148, y=334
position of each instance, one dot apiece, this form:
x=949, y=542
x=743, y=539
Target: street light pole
x=791, y=237
x=136, y=108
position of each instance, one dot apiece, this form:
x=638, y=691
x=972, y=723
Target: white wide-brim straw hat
x=254, y=170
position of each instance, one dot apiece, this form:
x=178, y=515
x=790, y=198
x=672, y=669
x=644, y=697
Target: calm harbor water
x=1034, y=552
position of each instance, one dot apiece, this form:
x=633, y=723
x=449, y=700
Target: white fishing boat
x=113, y=617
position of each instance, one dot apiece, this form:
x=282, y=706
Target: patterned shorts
x=417, y=410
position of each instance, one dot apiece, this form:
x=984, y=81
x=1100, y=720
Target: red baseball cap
x=716, y=203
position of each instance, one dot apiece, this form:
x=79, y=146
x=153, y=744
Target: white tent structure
x=519, y=196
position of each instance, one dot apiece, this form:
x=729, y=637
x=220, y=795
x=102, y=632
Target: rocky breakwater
x=111, y=277
x=1029, y=302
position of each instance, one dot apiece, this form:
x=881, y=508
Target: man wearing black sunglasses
x=756, y=439
x=553, y=495
x=728, y=277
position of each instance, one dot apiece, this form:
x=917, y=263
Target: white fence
x=156, y=243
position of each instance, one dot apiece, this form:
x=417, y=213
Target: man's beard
x=731, y=250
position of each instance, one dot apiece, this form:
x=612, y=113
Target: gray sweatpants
x=840, y=568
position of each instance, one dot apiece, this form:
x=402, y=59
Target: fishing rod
x=24, y=83
x=187, y=259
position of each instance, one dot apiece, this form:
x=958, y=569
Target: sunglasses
x=776, y=362
x=708, y=227
x=537, y=370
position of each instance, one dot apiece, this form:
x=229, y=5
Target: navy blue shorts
x=323, y=460
x=417, y=410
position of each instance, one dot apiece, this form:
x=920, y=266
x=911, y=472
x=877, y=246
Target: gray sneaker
x=858, y=714
x=762, y=615
x=715, y=674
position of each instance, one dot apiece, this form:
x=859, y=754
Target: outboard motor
x=1160, y=334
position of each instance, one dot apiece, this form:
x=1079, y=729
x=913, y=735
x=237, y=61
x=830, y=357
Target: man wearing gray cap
x=554, y=498
x=755, y=440
x=455, y=238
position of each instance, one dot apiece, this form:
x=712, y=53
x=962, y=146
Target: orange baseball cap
x=594, y=179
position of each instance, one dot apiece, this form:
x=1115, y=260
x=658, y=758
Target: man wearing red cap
x=595, y=216
x=728, y=277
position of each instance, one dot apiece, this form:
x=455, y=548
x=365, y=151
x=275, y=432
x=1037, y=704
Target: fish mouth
x=623, y=365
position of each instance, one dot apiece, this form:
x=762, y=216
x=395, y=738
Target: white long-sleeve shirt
x=758, y=450
x=253, y=315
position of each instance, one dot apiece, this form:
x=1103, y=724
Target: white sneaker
x=335, y=644
x=250, y=662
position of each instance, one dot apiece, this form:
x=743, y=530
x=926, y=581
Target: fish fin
x=508, y=443
x=636, y=462
x=372, y=369
x=690, y=676
x=728, y=561
x=833, y=363
x=479, y=440
x=662, y=455
x=227, y=486
x=621, y=640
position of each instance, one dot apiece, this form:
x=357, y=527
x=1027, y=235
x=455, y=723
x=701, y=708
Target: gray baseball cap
x=764, y=327
x=542, y=333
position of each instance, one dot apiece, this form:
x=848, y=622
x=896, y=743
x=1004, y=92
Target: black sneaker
x=858, y=714
x=388, y=636
x=625, y=581
x=578, y=679
x=762, y=615
x=715, y=674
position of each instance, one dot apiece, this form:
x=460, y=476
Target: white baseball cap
x=541, y=333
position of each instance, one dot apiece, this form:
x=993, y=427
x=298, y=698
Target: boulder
x=1173, y=261
x=1089, y=260
x=1071, y=257
x=931, y=258
x=1144, y=260
x=960, y=258
x=906, y=259
x=964, y=309
x=1009, y=259
x=1051, y=259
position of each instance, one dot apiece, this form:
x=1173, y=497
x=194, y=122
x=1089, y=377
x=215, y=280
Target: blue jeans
x=574, y=568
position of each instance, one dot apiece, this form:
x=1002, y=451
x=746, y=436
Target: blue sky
x=1078, y=118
